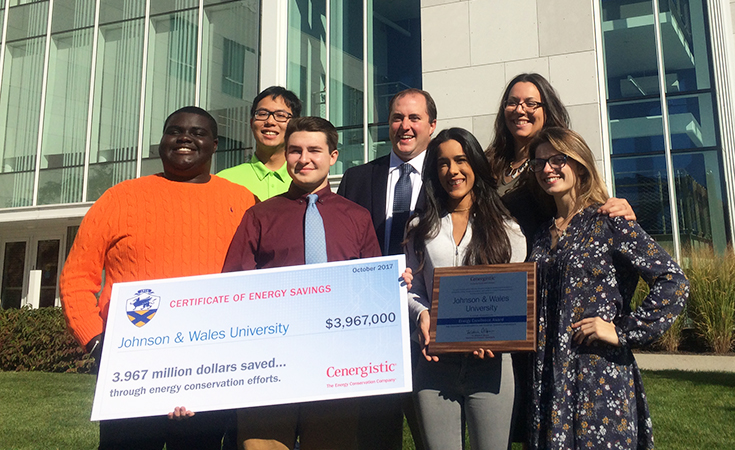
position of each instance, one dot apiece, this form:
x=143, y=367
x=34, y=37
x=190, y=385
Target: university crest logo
x=142, y=307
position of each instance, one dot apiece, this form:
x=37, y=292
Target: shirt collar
x=417, y=162
x=261, y=171
x=296, y=193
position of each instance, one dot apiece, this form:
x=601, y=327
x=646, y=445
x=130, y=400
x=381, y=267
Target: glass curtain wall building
x=85, y=86
x=663, y=122
x=83, y=82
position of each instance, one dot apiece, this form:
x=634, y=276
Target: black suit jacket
x=366, y=185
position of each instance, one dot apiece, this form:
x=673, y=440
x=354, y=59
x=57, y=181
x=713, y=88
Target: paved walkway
x=694, y=363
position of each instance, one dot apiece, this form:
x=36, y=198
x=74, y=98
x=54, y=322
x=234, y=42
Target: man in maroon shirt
x=272, y=235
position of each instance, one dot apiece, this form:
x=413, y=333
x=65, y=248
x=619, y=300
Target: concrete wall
x=472, y=48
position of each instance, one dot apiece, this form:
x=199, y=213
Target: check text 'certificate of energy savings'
x=262, y=337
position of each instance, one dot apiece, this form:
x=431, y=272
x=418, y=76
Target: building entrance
x=30, y=271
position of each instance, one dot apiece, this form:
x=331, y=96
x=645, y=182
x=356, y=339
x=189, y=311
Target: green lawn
x=51, y=411
x=692, y=410
x=46, y=410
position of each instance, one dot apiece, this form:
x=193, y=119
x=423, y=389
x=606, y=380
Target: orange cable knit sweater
x=143, y=229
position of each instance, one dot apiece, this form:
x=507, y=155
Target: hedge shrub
x=37, y=339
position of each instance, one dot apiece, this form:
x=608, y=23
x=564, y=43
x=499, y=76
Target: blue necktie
x=401, y=209
x=315, y=244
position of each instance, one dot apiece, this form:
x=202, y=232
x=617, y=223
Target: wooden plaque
x=486, y=307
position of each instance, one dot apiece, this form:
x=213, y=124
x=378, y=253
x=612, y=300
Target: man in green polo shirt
x=265, y=174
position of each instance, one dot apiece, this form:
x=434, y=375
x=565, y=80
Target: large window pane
x=636, y=126
x=687, y=67
x=229, y=76
x=350, y=150
x=72, y=15
x=114, y=143
x=699, y=195
x=379, y=144
x=395, y=53
x=629, y=48
x=24, y=2
x=20, y=102
x=643, y=182
x=636, y=117
x=346, y=82
x=700, y=199
x=346, y=91
x=26, y=21
x=118, y=10
x=171, y=77
x=631, y=71
x=392, y=32
x=307, y=54
x=684, y=43
x=167, y=6
x=65, y=121
x=692, y=121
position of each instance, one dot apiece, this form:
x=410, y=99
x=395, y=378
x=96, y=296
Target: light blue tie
x=315, y=244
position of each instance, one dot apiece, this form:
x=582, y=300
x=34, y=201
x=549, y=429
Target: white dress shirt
x=393, y=174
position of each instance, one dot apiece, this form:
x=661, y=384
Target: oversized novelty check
x=262, y=337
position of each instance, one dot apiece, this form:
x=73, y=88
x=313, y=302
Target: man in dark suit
x=412, y=121
x=390, y=188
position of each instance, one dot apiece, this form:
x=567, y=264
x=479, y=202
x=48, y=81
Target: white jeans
x=461, y=390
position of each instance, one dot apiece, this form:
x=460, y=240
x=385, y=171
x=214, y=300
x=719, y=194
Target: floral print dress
x=590, y=396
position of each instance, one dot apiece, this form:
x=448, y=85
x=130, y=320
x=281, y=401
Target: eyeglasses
x=264, y=114
x=528, y=105
x=556, y=162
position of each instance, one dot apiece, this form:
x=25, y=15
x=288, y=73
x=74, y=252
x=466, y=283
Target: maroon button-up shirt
x=271, y=233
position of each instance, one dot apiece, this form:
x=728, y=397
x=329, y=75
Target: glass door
x=14, y=259
x=47, y=261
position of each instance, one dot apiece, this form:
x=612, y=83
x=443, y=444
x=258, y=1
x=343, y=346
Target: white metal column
x=721, y=38
x=42, y=109
x=90, y=105
x=144, y=72
x=602, y=95
x=673, y=210
x=273, y=43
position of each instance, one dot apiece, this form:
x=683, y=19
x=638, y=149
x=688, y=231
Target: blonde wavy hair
x=590, y=187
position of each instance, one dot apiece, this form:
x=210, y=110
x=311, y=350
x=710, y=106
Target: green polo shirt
x=260, y=180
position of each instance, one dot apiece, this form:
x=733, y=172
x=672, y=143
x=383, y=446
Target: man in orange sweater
x=173, y=224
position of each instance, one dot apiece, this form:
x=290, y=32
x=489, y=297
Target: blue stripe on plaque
x=481, y=320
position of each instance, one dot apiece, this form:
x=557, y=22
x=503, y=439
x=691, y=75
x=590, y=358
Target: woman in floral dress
x=587, y=391
x=529, y=104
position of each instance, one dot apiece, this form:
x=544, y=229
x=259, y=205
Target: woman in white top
x=464, y=223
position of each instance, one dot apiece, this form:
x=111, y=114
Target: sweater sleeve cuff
x=86, y=332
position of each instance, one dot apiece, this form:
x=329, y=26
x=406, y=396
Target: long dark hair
x=502, y=150
x=490, y=243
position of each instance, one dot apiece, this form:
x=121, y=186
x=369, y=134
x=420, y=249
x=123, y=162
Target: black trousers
x=204, y=431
